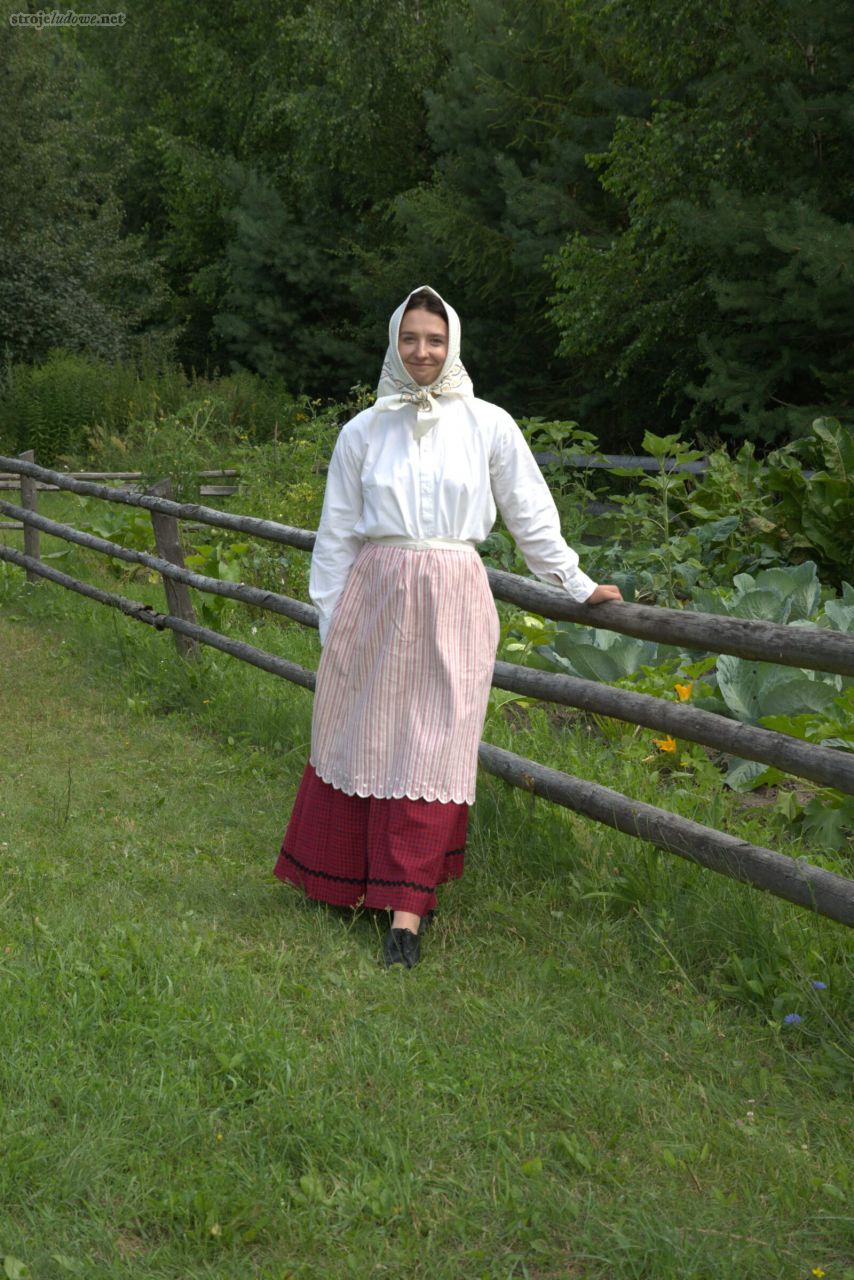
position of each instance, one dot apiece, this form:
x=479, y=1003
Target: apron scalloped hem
x=365, y=851
x=404, y=678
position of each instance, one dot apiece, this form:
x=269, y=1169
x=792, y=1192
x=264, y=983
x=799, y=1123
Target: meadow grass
x=204, y=1075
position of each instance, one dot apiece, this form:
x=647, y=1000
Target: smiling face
x=423, y=345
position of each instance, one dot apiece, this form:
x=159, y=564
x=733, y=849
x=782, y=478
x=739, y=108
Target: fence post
x=29, y=499
x=167, y=539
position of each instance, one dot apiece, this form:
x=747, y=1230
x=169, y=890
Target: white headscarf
x=396, y=388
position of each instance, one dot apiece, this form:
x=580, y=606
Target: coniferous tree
x=527, y=94
x=278, y=310
x=724, y=302
x=70, y=276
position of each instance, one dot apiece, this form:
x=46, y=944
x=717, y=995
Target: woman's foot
x=401, y=946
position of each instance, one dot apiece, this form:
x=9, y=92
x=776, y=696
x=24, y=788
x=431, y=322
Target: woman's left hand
x=604, y=592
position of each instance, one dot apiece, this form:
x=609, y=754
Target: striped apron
x=401, y=697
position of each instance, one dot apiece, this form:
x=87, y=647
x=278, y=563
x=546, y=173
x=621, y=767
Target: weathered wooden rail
x=8, y=481
x=608, y=461
x=822, y=765
x=706, y=632
x=808, y=886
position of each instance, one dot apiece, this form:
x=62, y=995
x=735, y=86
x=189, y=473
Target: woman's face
x=423, y=345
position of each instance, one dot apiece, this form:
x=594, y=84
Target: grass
x=203, y=1075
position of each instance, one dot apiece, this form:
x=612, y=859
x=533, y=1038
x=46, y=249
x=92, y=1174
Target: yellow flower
x=817, y=1271
x=683, y=691
x=665, y=744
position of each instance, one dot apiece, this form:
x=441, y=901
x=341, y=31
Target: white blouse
x=383, y=483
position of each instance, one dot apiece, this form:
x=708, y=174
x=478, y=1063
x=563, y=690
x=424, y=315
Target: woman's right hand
x=604, y=592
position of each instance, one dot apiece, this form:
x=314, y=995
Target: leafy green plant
x=680, y=532
x=224, y=560
x=176, y=446
x=781, y=594
x=73, y=406
x=788, y=699
x=521, y=633
x=648, y=515
x=763, y=693
x=827, y=822
x=596, y=654
x=499, y=552
x=645, y=543
x=46, y=407
x=832, y=726
x=565, y=478
x=764, y=981
x=127, y=526
x=730, y=497
x=815, y=512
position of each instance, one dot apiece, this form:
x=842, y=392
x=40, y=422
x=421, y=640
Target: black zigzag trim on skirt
x=386, y=884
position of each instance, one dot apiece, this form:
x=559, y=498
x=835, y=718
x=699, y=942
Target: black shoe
x=401, y=946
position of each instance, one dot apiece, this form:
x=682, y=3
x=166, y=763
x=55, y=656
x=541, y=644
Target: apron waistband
x=425, y=544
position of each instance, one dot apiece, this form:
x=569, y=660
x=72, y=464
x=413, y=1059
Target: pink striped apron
x=404, y=677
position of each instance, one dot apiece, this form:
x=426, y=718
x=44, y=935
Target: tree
x=69, y=276
x=723, y=300
x=527, y=94
x=278, y=312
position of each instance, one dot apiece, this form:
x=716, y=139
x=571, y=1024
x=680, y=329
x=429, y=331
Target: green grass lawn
x=203, y=1075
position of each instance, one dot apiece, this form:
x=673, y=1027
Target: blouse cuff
x=575, y=582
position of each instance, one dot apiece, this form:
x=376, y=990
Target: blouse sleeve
x=528, y=508
x=336, y=545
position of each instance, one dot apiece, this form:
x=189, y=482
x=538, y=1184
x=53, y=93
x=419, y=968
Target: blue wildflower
x=792, y=1017
x=820, y=986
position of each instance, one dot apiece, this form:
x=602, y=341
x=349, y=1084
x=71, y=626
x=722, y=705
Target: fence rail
x=706, y=632
x=808, y=886
x=9, y=480
x=608, y=461
x=818, y=764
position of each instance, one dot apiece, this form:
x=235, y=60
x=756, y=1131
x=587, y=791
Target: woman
x=409, y=627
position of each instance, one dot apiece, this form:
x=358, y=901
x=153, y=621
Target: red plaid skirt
x=386, y=853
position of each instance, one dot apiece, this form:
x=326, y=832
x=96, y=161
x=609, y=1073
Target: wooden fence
x=132, y=479
x=809, y=886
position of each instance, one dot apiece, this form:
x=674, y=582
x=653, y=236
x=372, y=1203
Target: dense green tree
x=316, y=102
x=183, y=87
x=724, y=299
x=278, y=314
x=69, y=276
x=527, y=94
x=342, y=129
x=641, y=208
